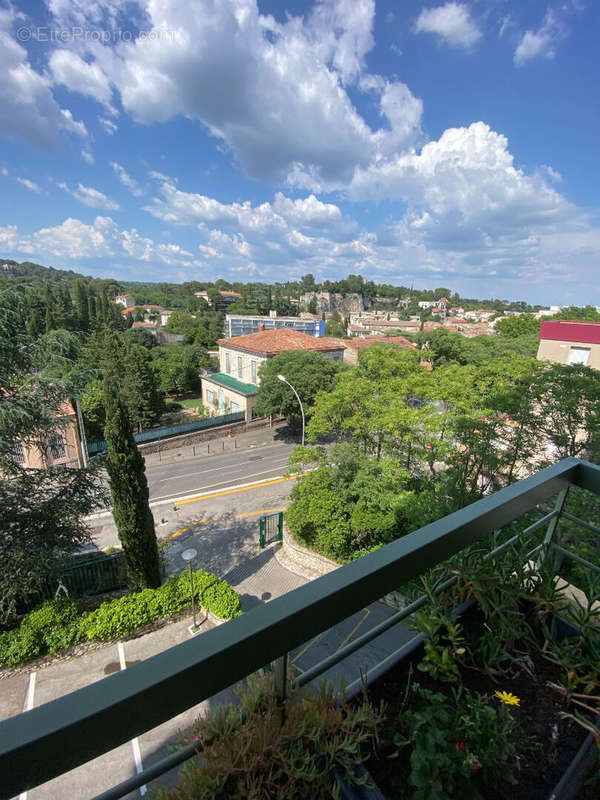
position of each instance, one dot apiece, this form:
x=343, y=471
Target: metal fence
x=56, y=737
x=271, y=528
x=168, y=431
x=95, y=576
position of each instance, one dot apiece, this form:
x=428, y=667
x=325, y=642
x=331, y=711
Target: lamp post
x=188, y=556
x=282, y=378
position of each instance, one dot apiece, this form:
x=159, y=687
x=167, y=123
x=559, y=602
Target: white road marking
x=168, y=498
x=217, y=469
x=238, y=452
x=27, y=706
x=135, y=745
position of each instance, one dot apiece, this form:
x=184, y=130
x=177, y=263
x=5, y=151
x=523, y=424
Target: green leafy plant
x=444, y=641
x=60, y=623
x=457, y=741
x=261, y=750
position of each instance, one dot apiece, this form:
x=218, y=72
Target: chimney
x=261, y=327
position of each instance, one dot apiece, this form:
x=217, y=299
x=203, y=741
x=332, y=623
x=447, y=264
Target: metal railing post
x=280, y=669
x=550, y=537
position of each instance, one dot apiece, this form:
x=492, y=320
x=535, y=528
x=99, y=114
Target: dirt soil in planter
x=555, y=740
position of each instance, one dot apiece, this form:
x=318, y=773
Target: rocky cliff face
x=328, y=301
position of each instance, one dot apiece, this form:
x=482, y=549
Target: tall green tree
x=129, y=493
x=43, y=509
x=308, y=372
x=81, y=301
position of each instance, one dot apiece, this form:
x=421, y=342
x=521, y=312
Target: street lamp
x=188, y=556
x=282, y=378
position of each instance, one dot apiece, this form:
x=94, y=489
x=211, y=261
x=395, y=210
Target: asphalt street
x=210, y=472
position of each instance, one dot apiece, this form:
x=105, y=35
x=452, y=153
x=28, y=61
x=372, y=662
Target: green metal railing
x=95, y=576
x=58, y=736
x=271, y=528
x=168, y=431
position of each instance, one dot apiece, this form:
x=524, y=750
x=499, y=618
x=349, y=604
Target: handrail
x=60, y=735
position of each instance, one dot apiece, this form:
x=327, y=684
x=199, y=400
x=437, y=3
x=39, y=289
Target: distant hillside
x=29, y=271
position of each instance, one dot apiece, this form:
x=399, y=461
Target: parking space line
x=304, y=649
x=354, y=629
x=27, y=706
x=135, y=745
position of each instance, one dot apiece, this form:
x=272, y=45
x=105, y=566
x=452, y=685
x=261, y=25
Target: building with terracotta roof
x=570, y=342
x=126, y=300
x=353, y=346
x=234, y=387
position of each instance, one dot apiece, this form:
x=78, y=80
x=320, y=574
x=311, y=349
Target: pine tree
x=129, y=494
x=92, y=311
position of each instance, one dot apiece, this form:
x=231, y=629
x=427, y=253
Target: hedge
x=60, y=623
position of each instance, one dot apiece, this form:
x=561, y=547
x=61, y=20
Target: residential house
x=64, y=448
x=226, y=298
x=353, y=346
x=235, y=386
x=126, y=300
x=570, y=342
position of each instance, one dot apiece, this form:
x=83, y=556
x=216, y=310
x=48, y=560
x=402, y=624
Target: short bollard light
x=188, y=556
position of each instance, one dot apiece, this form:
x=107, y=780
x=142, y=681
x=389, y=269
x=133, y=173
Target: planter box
x=573, y=777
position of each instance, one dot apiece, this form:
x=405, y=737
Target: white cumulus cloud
x=126, y=179
x=452, y=22
x=90, y=197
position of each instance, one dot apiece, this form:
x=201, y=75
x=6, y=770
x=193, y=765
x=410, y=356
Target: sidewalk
x=174, y=453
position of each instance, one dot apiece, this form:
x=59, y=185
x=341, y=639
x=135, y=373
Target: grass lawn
x=190, y=402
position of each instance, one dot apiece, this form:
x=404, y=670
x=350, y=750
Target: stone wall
x=299, y=559
x=206, y=435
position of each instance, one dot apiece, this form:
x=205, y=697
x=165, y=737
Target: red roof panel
x=559, y=330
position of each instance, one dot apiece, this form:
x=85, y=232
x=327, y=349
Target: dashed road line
x=198, y=472
x=135, y=744
x=27, y=706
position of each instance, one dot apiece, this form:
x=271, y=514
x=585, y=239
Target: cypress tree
x=92, y=309
x=82, y=306
x=129, y=494
x=50, y=320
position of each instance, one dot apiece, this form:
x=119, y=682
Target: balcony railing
x=56, y=737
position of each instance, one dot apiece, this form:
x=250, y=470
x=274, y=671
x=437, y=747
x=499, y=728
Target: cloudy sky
x=452, y=144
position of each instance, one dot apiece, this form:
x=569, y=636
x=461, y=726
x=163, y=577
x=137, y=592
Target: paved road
x=209, y=472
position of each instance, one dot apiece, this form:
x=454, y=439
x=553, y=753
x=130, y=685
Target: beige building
x=234, y=388
x=570, y=342
x=352, y=347
x=64, y=446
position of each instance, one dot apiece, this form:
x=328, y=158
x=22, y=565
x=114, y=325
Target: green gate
x=271, y=528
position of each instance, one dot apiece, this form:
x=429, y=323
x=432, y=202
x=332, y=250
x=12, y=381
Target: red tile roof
x=280, y=340
x=369, y=341
x=560, y=330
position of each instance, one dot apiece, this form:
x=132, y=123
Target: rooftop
x=280, y=340
x=369, y=341
x=562, y=330
x=229, y=382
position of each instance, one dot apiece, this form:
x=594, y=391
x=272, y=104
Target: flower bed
x=58, y=624
x=495, y=704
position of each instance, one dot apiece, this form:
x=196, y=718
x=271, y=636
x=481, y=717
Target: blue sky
x=428, y=143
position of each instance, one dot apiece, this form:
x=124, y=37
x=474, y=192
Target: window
x=239, y=366
x=228, y=363
x=234, y=407
x=18, y=452
x=57, y=447
x=210, y=396
x=253, y=370
x=578, y=355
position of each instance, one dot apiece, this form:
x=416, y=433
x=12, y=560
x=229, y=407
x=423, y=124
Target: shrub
x=58, y=624
x=270, y=754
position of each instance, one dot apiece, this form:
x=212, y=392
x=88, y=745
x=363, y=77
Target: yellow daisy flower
x=508, y=698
